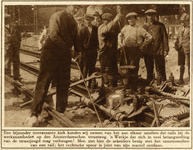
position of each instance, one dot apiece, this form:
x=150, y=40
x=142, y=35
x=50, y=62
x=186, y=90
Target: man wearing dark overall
x=12, y=46
x=88, y=35
x=157, y=49
x=55, y=61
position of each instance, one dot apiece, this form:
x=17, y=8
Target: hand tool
x=89, y=94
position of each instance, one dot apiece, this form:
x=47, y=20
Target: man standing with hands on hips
x=133, y=38
x=55, y=61
x=157, y=49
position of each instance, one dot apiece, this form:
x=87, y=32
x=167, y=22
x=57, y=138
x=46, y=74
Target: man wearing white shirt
x=134, y=39
x=43, y=37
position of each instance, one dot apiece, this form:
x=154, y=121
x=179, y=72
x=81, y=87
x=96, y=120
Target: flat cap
x=88, y=16
x=150, y=11
x=96, y=14
x=108, y=16
x=7, y=16
x=131, y=14
x=185, y=17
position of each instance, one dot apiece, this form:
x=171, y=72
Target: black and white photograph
x=74, y=68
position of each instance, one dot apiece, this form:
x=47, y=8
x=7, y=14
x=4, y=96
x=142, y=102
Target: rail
x=38, y=55
x=29, y=68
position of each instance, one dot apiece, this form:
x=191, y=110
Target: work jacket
x=88, y=41
x=63, y=31
x=159, y=42
x=12, y=36
x=183, y=40
x=56, y=52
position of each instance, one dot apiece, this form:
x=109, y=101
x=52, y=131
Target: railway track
x=62, y=121
x=29, y=68
x=38, y=55
x=31, y=53
x=78, y=90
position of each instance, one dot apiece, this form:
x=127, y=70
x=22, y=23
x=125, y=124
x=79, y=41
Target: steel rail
x=38, y=55
x=29, y=68
x=31, y=53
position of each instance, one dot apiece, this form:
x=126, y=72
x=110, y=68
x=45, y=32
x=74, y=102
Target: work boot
x=18, y=82
x=181, y=81
x=33, y=121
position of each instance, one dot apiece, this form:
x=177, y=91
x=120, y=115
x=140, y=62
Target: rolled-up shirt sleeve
x=147, y=37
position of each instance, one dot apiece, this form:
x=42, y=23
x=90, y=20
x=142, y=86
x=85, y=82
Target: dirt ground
x=16, y=117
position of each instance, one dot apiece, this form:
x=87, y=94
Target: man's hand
x=73, y=53
x=165, y=53
x=118, y=9
x=78, y=57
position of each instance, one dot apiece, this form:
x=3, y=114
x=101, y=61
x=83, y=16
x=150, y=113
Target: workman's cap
x=79, y=18
x=131, y=14
x=88, y=16
x=185, y=17
x=150, y=11
x=107, y=16
x=7, y=16
x=96, y=14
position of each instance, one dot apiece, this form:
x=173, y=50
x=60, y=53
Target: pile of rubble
x=156, y=105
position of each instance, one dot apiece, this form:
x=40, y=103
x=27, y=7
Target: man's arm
x=78, y=46
x=121, y=38
x=177, y=42
x=147, y=37
x=114, y=23
x=54, y=26
x=18, y=34
x=165, y=39
x=41, y=39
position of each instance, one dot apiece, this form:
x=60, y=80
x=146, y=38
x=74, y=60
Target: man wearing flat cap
x=157, y=49
x=133, y=38
x=182, y=45
x=55, y=61
x=108, y=35
x=12, y=46
x=80, y=22
x=97, y=19
x=88, y=37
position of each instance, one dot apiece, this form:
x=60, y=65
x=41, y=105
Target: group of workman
x=103, y=41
